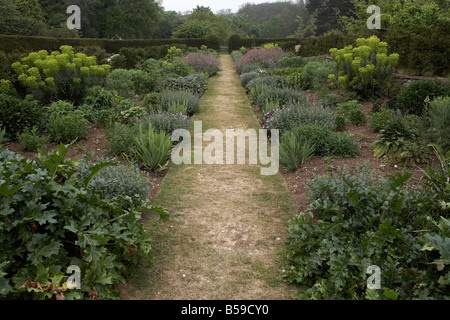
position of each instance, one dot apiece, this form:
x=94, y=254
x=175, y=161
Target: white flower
x=71, y=285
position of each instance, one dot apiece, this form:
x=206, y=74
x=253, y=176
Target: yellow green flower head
x=343, y=79
x=67, y=50
x=85, y=71
x=18, y=68
x=42, y=54
x=50, y=81
x=348, y=57
x=31, y=82
x=357, y=63
x=34, y=72
x=72, y=67
x=42, y=85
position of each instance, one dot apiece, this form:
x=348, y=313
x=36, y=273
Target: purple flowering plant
x=268, y=117
x=202, y=62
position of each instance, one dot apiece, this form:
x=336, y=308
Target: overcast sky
x=215, y=5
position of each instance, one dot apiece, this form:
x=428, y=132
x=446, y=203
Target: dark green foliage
x=316, y=134
x=17, y=114
x=234, y=43
x=341, y=124
x=212, y=42
x=151, y=101
x=342, y=144
x=100, y=98
x=352, y=112
x=328, y=12
x=11, y=43
x=378, y=120
x=413, y=98
x=326, y=142
x=362, y=222
x=54, y=217
x=392, y=138
x=315, y=74
x=424, y=47
x=67, y=128
x=31, y=140
x=121, y=139
x=439, y=118
x=105, y=118
x=291, y=62
x=127, y=83
x=196, y=83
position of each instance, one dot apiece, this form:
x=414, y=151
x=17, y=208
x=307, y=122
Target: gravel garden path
x=226, y=233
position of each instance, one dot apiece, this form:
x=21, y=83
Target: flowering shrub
x=265, y=58
x=63, y=75
x=202, y=62
x=364, y=69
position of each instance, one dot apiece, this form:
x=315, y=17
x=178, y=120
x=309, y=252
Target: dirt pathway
x=225, y=237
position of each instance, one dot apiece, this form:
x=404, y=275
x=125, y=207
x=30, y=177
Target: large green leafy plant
x=53, y=217
x=366, y=69
x=356, y=221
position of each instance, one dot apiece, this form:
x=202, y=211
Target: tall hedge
x=12, y=43
x=235, y=42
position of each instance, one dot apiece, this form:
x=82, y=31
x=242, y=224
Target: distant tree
x=306, y=23
x=130, y=19
x=117, y=19
x=402, y=15
x=202, y=22
x=30, y=9
x=54, y=12
x=241, y=25
x=193, y=29
x=277, y=19
x=12, y=21
x=327, y=13
x=201, y=10
x=168, y=22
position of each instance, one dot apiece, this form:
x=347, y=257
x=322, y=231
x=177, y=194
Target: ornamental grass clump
x=202, y=62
